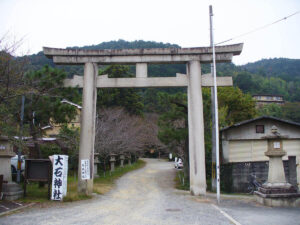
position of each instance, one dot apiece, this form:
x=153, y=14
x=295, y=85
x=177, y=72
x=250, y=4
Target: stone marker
x=112, y=162
x=122, y=157
x=96, y=162
x=128, y=156
x=277, y=191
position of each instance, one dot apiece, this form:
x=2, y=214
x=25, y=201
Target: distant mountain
x=121, y=44
x=286, y=69
x=37, y=61
x=268, y=76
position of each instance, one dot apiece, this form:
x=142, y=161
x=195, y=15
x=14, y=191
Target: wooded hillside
x=268, y=76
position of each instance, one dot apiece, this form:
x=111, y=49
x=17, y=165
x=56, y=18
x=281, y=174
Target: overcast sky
x=65, y=23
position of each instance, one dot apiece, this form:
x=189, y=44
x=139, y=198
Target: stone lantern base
x=11, y=191
x=277, y=200
x=278, y=195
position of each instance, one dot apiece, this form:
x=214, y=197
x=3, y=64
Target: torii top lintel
x=131, y=56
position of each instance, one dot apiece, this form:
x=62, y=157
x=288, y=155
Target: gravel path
x=147, y=196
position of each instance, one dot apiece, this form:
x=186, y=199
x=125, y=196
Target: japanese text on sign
x=59, y=177
x=85, y=169
x=276, y=144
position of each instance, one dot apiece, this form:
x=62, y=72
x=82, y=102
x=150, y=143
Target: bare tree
x=12, y=70
x=117, y=132
x=151, y=131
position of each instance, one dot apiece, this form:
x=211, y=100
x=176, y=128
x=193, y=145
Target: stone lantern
x=96, y=162
x=128, y=156
x=122, y=157
x=11, y=190
x=276, y=191
x=112, y=162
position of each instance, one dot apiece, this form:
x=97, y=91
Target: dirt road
x=147, y=196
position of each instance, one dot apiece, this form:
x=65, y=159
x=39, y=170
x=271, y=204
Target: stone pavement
x=10, y=206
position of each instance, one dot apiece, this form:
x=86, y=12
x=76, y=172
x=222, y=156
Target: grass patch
x=34, y=193
x=180, y=182
x=102, y=185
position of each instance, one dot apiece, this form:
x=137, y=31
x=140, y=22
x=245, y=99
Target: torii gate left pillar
x=87, y=126
x=141, y=58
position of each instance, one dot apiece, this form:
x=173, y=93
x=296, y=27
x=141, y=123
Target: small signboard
x=276, y=145
x=2, y=147
x=59, y=177
x=65, y=180
x=38, y=170
x=85, y=169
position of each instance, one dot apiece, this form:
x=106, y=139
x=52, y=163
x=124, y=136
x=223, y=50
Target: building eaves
x=260, y=118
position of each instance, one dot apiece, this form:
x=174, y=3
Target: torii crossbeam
x=192, y=57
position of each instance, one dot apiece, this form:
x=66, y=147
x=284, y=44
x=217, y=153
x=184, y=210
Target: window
x=260, y=129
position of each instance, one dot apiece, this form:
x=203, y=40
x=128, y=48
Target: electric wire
x=259, y=28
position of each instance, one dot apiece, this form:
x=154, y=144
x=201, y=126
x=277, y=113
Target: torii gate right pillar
x=196, y=129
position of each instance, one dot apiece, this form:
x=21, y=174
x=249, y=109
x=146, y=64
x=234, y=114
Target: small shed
x=243, y=148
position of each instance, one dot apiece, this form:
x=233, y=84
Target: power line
x=259, y=28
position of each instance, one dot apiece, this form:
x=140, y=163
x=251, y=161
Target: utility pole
x=216, y=122
x=213, y=123
x=20, y=141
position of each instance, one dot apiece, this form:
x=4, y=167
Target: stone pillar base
x=12, y=191
x=85, y=187
x=278, y=195
x=278, y=200
x=277, y=188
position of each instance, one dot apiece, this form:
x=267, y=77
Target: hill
x=286, y=69
x=279, y=76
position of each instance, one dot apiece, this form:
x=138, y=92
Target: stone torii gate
x=193, y=80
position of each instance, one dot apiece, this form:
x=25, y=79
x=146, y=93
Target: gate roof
x=132, y=56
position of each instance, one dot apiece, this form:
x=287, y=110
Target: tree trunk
x=36, y=150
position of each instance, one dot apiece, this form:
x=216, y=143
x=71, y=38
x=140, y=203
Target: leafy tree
x=272, y=109
x=291, y=111
x=245, y=82
x=124, y=97
x=43, y=102
x=173, y=126
x=239, y=106
x=69, y=140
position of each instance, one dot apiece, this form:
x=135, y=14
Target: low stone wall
x=239, y=174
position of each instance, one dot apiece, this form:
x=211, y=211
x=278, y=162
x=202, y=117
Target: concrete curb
x=16, y=209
